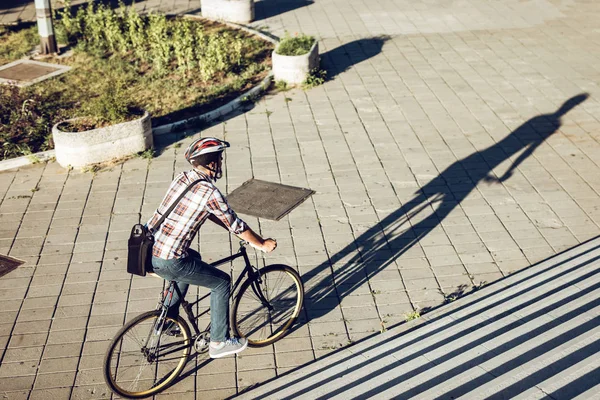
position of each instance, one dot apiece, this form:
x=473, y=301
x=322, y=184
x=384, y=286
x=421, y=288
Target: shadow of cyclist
x=378, y=247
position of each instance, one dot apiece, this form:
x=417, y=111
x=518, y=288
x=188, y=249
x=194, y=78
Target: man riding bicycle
x=172, y=259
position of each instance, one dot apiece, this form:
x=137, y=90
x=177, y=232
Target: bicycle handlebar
x=244, y=243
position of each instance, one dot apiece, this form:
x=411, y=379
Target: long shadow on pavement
x=341, y=58
x=269, y=8
x=385, y=242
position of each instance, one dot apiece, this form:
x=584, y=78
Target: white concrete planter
x=241, y=11
x=79, y=149
x=294, y=69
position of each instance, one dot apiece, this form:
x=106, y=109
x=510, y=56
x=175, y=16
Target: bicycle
x=145, y=356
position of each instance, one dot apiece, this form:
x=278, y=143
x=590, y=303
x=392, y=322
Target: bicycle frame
x=249, y=272
x=169, y=339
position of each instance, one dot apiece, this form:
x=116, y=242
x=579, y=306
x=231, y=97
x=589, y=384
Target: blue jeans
x=192, y=270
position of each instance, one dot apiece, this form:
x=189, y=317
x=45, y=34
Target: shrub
x=314, y=78
x=110, y=107
x=24, y=123
x=170, y=45
x=295, y=46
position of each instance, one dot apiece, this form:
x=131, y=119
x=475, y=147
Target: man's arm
x=255, y=240
x=217, y=221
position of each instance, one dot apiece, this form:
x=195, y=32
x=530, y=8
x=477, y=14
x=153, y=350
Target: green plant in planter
x=111, y=107
x=295, y=45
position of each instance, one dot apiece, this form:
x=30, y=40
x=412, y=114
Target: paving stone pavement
x=453, y=145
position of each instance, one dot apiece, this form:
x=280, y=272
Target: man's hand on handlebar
x=265, y=245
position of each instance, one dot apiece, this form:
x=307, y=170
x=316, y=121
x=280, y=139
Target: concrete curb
x=26, y=160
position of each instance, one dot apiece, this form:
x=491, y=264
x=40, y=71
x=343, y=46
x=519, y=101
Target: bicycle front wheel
x=266, y=307
x=143, y=359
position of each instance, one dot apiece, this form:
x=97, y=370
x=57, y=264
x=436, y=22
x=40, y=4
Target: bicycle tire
x=145, y=324
x=252, y=320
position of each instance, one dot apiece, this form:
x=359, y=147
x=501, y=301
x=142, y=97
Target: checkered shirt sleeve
x=218, y=206
x=175, y=235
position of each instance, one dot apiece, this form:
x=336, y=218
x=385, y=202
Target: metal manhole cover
x=8, y=264
x=267, y=199
x=27, y=72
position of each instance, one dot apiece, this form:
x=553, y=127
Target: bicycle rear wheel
x=143, y=359
x=265, y=308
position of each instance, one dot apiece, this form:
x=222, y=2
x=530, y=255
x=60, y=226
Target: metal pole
x=43, y=11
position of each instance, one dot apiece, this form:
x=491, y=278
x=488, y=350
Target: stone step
x=529, y=335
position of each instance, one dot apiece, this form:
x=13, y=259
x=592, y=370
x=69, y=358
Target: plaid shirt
x=177, y=231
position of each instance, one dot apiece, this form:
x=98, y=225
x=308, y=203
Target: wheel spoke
x=263, y=322
x=142, y=362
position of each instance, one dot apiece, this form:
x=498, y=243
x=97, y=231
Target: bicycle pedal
x=201, y=343
x=174, y=331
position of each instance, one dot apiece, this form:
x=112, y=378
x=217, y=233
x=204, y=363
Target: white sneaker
x=228, y=347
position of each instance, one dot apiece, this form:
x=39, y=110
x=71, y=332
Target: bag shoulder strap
x=172, y=207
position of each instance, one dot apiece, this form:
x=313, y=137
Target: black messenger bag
x=141, y=240
x=139, y=250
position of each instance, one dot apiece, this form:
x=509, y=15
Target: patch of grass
x=331, y=347
x=383, y=328
x=412, y=315
x=106, y=165
x=295, y=45
x=17, y=41
x=252, y=98
x=94, y=168
x=25, y=122
x=147, y=154
x=112, y=106
x=314, y=78
x=34, y=159
x=282, y=86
